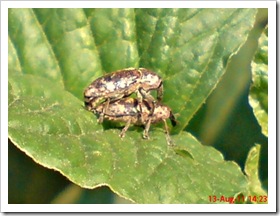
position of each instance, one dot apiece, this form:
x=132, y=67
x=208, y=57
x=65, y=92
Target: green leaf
x=256, y=193
x=53, y=128
x=259, y=88
x=55, y=53
x=191, y=48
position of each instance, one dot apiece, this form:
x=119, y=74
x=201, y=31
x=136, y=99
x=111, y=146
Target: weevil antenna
x=172, y=119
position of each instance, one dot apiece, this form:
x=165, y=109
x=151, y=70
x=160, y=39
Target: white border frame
x=271, y=207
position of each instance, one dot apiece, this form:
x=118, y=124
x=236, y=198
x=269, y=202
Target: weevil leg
x=140, y=102
x=147, y=128
x=146, y=95
x=152, y=110
x=105, y=108
x=160, y=92
x=149, y=98
x=122, y=134
x=168, y=139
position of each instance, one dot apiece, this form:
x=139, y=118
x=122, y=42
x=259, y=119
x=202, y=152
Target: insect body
x=128, y=110
x=120, y=84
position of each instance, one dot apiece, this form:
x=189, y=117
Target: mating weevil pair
x=120, y=84
x=107, y=97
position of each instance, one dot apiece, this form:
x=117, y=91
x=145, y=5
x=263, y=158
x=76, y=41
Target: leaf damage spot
x=184, y=153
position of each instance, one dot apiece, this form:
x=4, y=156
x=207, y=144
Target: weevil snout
x=172, y=119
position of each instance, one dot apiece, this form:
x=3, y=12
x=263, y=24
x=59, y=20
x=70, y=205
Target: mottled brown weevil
x=120, y=84
x=128, y=110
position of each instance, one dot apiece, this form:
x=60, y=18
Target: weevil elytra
x=128, y=110
x=120, y=84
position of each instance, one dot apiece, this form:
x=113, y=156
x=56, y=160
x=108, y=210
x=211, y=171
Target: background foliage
x=55, y=54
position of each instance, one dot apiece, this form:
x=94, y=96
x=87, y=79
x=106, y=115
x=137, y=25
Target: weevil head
x=164, y=112
x=161, y=112
x=90, y=99
x=91, y=102
x=150, y=80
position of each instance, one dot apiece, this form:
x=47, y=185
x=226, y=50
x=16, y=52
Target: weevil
x=128, y=110
x=120, y=84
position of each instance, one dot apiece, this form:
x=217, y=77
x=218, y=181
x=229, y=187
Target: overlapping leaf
x=258, y=97
x=256, y=193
